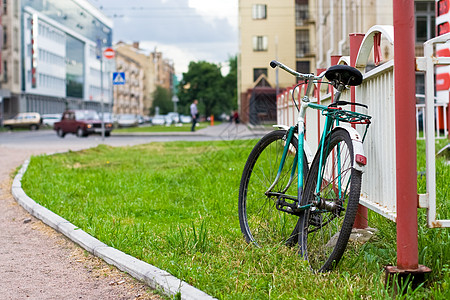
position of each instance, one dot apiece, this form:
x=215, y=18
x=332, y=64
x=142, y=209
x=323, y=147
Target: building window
x=304, y=67
x=16, y=8
x=260, y=43
x=5, y=72
x=301, y=11
x=425, y=22
x=302, y=43
x=5, y=37
x=420, y=87
x=5, y=5
x=16, y=72
x=16, y=37
x=258, y=72
x=259, y=11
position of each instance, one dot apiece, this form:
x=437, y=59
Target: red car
x=82, y=123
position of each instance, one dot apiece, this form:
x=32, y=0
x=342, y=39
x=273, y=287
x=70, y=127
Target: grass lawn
x=174, y=205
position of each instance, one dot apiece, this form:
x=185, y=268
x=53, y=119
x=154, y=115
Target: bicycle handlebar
x=275, y=64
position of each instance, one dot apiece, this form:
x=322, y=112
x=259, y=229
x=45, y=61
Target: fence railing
x=428, y=64
x=440, y=120
x=379, y=193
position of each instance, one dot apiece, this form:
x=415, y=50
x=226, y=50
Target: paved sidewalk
x=37, y=262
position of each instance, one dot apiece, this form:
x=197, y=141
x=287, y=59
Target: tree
x=230, y=82
x=204, y=81
x=161, y=99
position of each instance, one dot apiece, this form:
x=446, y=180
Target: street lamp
x=175, y=100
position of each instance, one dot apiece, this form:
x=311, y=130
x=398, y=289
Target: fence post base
x=396, y=277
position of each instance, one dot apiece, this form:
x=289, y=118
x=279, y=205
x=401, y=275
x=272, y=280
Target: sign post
x=108, y=53
x=406, y=161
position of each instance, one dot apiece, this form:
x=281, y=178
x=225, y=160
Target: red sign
x=443, y=28
x=442, y=7
x=109, y=53
x=442, y=81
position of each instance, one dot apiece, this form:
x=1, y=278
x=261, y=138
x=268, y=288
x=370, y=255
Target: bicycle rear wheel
x=261, y=222
x=324, y=231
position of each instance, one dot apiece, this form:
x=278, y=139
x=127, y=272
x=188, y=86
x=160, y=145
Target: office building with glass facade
x=61, y=46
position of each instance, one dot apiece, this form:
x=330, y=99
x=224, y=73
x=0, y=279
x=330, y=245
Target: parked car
x=50, y=119
x=109, y=118
x=169, y=120
x=82, y=123
x=31, y=120
x=185, y=119
x=159, y=120
x=175, y=117
x=127, y=120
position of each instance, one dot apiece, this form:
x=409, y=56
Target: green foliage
x=174, y=205
x=204, y=81
x=162, y=99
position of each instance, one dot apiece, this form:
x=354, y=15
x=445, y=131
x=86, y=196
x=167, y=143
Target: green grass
x=174, y=205
x=162, y=128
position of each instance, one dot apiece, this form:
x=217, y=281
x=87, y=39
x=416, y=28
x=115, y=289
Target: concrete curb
x=156, y=278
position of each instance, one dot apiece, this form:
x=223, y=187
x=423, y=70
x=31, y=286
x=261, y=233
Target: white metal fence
x=440, y=120
x=428, y=64
x=378, y=191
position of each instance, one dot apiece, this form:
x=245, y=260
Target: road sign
x=109, y=53
x=118, y=78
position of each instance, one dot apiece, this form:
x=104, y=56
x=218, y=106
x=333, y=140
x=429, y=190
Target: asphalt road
x=47, y=139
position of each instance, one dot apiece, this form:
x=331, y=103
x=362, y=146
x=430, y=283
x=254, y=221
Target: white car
x=174, y=116
x=159, y=120
x=50, y=119
x=127, y=120
x=185, y=119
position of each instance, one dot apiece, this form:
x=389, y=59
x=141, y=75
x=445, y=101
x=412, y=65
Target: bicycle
x=318, y=212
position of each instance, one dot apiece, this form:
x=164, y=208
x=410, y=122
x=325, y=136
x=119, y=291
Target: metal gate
x=428, y=64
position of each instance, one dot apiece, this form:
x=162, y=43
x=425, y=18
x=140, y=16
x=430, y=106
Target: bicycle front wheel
x=260, y=220
x=326, y=228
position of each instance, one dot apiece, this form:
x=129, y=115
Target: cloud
x=183, y=30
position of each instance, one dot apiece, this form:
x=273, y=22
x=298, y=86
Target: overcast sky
x=184, y=30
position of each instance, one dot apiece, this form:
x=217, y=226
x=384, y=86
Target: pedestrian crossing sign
x=118, y=78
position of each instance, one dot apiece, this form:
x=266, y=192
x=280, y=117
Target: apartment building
x=10, y=75
x=304, y=34
x=271, y=29
x=135, y=96
x=164, y=70
x=143, y=73
x=51, y=56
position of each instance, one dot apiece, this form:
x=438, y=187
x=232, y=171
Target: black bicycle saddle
x=344, y=74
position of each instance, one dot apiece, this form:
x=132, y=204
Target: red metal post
x=356, y=39
x=406, y=164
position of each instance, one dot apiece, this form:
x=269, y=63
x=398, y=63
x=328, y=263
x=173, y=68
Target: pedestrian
x=236, y=117
x=194, y=114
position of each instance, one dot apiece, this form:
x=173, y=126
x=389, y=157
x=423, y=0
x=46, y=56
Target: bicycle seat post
x=339, y=88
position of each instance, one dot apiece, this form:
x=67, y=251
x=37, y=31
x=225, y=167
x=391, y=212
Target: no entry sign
x=109, y=53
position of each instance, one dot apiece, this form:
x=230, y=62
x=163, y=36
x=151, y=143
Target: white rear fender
x=359, y=159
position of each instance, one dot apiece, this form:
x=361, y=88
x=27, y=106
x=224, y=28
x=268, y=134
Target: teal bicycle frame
x=330, y=120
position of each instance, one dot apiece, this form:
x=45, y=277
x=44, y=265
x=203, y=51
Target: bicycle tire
x=324, y=234
x=261, y=222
